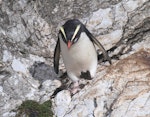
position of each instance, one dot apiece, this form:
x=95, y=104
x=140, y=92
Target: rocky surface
x=117, y=92
x=28, y=34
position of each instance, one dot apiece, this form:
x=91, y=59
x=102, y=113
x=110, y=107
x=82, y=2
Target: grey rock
x=41, y=72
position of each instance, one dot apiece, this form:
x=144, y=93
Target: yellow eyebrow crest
x=76, y=31
x=63, y=32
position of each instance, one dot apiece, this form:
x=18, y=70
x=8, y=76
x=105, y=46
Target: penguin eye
x=75, y=40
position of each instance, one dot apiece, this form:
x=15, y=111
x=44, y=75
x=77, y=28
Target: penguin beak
x=69, y=44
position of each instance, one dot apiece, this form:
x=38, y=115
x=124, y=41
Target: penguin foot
x=75, y=88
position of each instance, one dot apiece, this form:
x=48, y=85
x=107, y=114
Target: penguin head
x=70, y=31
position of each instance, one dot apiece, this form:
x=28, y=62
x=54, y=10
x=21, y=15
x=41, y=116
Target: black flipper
x=57, y=56
x=95, y=41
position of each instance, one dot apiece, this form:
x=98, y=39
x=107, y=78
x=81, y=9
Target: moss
x=31, y=108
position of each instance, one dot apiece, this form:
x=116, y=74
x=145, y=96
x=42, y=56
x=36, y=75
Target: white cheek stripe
x=63, y=32
x=75, y=32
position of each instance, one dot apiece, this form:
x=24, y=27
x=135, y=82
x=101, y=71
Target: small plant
x=32, y=108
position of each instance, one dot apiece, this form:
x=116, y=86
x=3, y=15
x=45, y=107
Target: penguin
x=78, y=49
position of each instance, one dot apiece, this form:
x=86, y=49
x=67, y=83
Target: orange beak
x=69, y=44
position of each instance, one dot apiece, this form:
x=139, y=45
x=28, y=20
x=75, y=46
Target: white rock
x=110, y=39
x=80, y=110
x=120, y=15
x=32, y=95
x=131, y=5
x=98, y=112
x=90, y=106
x=48, y=88
x=36, y=58
x=62, y=101
x=6, y=56
x=1, y=89
x=139, y=107
x=18, y=33
x=100, y=19
x=18, y=66
x=100, y=109
x=142, y=45
x=9, y=114
x=50, y=85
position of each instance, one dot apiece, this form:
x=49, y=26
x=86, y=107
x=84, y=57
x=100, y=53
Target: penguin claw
x=75, y=88
x=74, y=91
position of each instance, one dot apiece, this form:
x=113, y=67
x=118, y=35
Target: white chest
x=81, y=56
